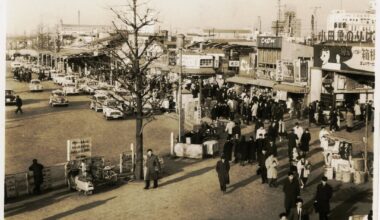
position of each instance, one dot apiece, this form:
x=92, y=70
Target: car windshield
x=9, y=92
x=92, y=83
x=57, y=94
x=112, y=103
x=35, y=82
x=101, y=98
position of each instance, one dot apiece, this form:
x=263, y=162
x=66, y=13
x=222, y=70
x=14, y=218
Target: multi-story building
x=289, y=26
x=344, y=22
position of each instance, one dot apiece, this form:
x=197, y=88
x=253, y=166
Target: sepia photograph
x=179, y=109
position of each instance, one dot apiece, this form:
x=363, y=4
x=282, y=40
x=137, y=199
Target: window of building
x=335, y=25
x=344, y=25
x=205, y=62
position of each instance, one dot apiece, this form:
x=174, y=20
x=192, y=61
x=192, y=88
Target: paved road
x=42, y=131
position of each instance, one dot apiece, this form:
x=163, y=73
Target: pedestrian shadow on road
x=188, y=175
x=242, y=183
x=176, y=165
x=36, y=204
x=354, y=197
x=80, y=209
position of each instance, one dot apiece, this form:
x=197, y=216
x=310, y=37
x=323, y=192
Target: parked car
x=112, y=109
x=58, y=98
x=90, y=87
x=10, y=97
x=97, y=101
x=58, y=79
x=68, y=80
x=70, y=89
x=35, y=86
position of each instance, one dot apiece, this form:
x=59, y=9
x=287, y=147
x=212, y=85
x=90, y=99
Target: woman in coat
x=349, y=121
x=305, y=141
x=271, y=164
x=303, y=169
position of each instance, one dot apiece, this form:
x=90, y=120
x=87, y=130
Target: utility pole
x=314, y=27
x=278, y=17
x=259, y=18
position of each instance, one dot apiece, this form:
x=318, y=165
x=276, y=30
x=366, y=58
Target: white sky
x=25, y=15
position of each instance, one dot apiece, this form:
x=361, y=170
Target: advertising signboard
x=287, y=68
x=279, y=76
x=78, y=148
x=233, y=63
x=246, y=65
x=269, y=42
x=354, y=58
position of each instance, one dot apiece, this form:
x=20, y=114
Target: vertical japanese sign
x=78, y=148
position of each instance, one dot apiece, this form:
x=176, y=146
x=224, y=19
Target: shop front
x=347, y=74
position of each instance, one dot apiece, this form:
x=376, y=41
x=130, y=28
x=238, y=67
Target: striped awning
x=291, y=88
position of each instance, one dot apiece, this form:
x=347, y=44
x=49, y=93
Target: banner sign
x=279, y=76
x=354, y=58
x=78, y=148
x=233, y=63
x=287, y=68
x=246, y=65
x=347, y=37
x=269, y=42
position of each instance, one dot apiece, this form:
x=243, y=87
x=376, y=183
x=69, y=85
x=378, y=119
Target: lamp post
x=180, y=127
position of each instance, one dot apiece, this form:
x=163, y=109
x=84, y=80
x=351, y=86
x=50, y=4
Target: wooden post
x=172, y=144
x=133, y=158
x=27, y=182
x=121, y=163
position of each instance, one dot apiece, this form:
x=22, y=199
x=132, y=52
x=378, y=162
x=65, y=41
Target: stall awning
x=189, y=71
x=291, y=88
x=250, y=81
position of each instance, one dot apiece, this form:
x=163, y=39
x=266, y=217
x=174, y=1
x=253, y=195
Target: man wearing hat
x=223, y=169
x=322, y=199
x=299, y=212
x=152, y=169
x=291, y=191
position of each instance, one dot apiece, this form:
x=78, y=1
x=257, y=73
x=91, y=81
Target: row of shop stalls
x=342, y=163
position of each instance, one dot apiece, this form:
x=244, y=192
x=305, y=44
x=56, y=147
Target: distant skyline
x=180, y=15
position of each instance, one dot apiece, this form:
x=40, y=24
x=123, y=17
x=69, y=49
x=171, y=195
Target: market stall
x=339, y=163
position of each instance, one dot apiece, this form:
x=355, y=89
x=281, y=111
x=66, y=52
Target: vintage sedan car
x=112, y=109
x=58, y=78
x=70, y=89
x=58, y=98
x=68, y=80
x=89, y=87
x=35, y=86
x=97, y=101
x=10, y=97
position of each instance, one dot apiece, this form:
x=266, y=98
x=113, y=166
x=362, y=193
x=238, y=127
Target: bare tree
x=134, y=56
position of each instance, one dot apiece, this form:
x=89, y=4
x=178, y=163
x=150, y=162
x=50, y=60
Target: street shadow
x=175, y=165
x=80, y=209
x=242, y=183
x=36, y=204
x=188, y=175
x=352, y=197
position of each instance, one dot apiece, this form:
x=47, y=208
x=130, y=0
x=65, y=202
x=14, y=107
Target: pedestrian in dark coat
x=263, y=170
x=214, y=112
x=291, y=190
x=322, y=199
x=18, y=104
x=299, y=212
x=292, y=142
x=227, y=150
x=305, y=141
x=243, y=151
x=272, y=132
x=252, y=151
x=223, y=169
x=38, y=177
x=152, y=167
